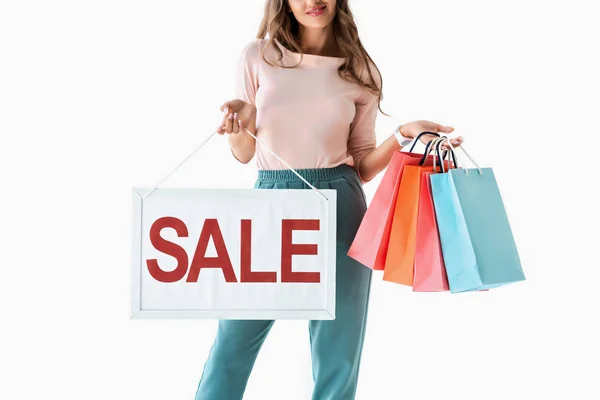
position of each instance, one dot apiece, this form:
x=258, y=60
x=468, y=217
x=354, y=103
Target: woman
x=311, y=94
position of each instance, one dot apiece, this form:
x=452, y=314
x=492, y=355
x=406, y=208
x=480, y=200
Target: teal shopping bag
x=478, y=246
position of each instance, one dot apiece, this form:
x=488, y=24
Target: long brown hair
x=284, y=27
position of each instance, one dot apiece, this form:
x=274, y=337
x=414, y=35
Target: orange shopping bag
x=400, y=257
x=370, y=243
x=429, y=271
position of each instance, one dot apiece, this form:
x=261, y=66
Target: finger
x=223, y=124
x=444, y=129
x=226, y=107
x=242, y=128
x=456, y=142
x=229, y=123
x=236, y=127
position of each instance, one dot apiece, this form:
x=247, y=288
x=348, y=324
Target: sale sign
x=233, y=254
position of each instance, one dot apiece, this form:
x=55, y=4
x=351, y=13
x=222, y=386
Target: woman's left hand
x=412, y=129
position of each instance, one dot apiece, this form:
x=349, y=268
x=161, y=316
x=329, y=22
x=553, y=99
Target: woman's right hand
x=234, y=111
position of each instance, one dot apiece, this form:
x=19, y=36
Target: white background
x=100, y=96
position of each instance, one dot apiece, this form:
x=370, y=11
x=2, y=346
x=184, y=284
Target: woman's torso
x=304, y=114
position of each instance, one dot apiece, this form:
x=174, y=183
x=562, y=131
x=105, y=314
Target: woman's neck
x=319, y=42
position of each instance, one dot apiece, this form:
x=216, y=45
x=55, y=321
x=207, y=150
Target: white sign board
x=233, y=254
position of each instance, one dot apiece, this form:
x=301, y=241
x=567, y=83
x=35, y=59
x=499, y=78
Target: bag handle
x=427, y=147
x=452, y=148
x=419, y=137
x=447, y=154
x=472, y=161
x=438, y=156
x=255, y=138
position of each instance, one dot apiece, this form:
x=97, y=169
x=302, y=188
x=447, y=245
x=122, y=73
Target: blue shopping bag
x=478, y=246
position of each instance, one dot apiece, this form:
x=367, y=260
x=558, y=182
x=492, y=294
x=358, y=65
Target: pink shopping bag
x=429, y=270
x=371, y=241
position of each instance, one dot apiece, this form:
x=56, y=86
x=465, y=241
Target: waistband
x=310, y=174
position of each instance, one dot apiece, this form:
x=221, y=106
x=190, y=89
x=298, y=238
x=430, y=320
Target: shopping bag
x=233, y=253
x=429, y=270
x=370, y=243
x=478, y=246
x=400, y=257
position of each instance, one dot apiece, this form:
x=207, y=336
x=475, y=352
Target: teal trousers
x=336, y=345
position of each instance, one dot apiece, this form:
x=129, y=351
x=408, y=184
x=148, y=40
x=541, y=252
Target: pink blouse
x=307, y=115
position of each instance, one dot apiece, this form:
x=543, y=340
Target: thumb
x=227, y=107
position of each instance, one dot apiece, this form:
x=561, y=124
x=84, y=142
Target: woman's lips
x=316, y=12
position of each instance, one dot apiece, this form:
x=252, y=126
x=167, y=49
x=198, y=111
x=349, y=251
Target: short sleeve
x=362, y=138
x=246, y=80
